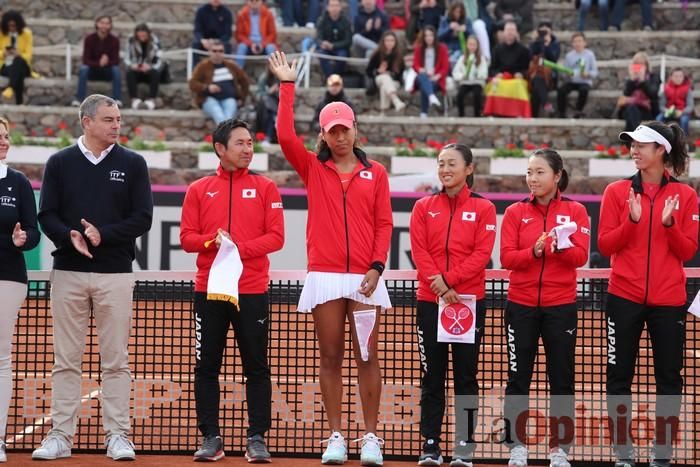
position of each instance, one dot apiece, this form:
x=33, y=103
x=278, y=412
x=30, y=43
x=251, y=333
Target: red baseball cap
x=336, y=113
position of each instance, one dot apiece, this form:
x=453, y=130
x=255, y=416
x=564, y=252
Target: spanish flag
x=508, y=98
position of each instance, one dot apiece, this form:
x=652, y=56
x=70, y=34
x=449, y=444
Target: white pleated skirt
x=321, y=287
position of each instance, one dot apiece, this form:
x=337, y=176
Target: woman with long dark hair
x=347, y=237
x=544, y=238
x=452, y=235
x=431, y=63
x=649, y=228
x=385, y=68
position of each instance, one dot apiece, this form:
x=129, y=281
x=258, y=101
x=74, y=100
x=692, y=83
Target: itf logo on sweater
x=248, y=193
x=8, y=201
x=116, y=176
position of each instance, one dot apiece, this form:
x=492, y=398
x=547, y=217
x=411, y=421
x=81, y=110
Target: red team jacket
x=345, y=231
x=647, y=257
x=246, y=205
x=453, y=237
x=551, y=279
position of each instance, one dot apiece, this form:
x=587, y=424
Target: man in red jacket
x=246, y=208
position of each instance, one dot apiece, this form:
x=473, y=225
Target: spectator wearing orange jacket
x=256, y=33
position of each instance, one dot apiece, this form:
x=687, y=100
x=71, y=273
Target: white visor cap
x=644, y=134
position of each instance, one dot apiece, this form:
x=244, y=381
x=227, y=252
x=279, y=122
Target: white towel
x=224, y=273
x=364, y=325
x=563, y=233
x=695, y=306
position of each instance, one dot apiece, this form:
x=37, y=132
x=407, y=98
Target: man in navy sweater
x=213, y=20
x=95, y=201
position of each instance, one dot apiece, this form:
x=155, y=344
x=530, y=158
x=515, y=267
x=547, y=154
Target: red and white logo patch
x=248, y=193
x=469, y=216
x=366, y=174
x=561, y=219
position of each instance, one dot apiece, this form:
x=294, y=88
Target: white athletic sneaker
x=434, y=101
x=150, y=104
x=518, y=457
x=558, y=458
x=135, y=103
x=371, y=452
x=337, y=451
x=120, y=448
x=52, y=447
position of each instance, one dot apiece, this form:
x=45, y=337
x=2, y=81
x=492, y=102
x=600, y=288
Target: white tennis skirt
x=321, y=287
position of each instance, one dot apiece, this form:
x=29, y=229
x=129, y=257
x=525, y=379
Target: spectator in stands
x=370, y=24
x=293, y=12
x=471, y=72
x=618, y=14
x=16, y=44
x=386, y=67
x=268, y=95
x=256, y=33
x=213, y=20
x=431, y=61
x=602, y=12
x=510, y=56
x=520, y=11
x=144, y=64
x=95, y=202
x=640, y=96
x=424, y=13
x=677, y=100
x=481, y=24
x=452, y=25
x=334, y=93
x=333, y=37
x=257, y=229
x=217, y=84
x=545, y=46
x=583, y=63
x=100, y=60
x=19, y=233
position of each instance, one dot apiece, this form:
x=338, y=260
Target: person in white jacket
x=470, y=73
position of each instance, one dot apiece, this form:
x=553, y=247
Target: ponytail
x=677, y=159
x=557, y=165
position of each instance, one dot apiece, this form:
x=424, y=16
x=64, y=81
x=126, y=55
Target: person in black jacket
x=333, y=37
x=370, y=24
x=18, y=233
x=385, y=69
x=545, y=47
x=510, y=56
x=640, y=96
x=334, y=93
x=95, y=202
x=213, y=20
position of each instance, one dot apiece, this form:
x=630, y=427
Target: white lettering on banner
x=611, y=342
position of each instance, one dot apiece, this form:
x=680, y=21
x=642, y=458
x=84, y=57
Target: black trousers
x=565, y=90
x=464, y=91
x=434, y=357
x=538, y=97
x=666, y=328
x=250, y=327
x=133, y=78
x=634, y=114
x=557, y=326
x=16, y=73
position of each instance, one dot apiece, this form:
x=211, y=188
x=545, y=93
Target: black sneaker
x=256, y=452
x=212, y=449
x=431, y=453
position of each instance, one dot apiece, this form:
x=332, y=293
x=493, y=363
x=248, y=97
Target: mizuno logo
x=433, y=214
x=571, y=331
x=211, y=194
x=527, y=219
x=262, y=321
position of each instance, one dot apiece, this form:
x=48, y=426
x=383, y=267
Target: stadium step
x=177, y=96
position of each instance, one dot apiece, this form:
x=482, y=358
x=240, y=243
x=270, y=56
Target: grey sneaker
x=120, y=448
x=212, y=449
x=518, y=457
x=558, y=458
x=462, y=455
x=52, y=447
x=256, y=451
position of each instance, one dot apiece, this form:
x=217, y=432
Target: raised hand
x=19, y=236
x=667, y=214
x=281, y=68
x=635, y=205
x=91, y=233
x=79, y=243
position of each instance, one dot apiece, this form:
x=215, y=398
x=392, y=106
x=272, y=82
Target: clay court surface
x=162, y=358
